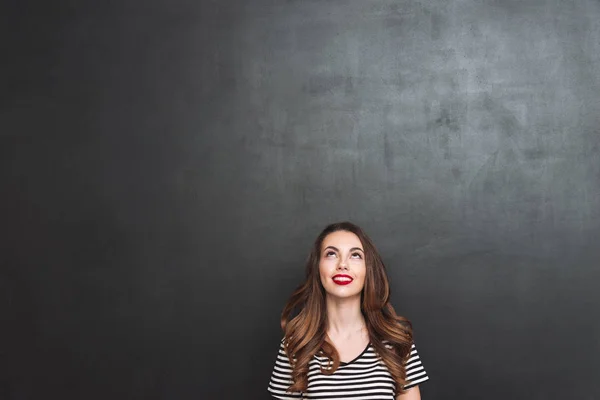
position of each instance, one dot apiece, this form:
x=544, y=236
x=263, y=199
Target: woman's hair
x=304, y=334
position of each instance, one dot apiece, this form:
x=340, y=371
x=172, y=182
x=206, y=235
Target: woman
x=345, y=340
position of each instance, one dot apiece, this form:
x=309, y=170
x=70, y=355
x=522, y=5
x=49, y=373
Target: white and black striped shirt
x=365, y=377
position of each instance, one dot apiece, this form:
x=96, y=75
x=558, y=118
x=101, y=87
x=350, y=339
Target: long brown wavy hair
x=305, y=332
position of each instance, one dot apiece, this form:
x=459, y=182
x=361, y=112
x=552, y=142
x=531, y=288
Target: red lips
x=342, y=279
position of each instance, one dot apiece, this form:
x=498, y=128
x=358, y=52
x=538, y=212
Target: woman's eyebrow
x=336, y=249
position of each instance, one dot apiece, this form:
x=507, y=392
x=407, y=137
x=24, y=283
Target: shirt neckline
x=357, y=357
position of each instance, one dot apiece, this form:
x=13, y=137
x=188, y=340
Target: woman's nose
x=342, y=265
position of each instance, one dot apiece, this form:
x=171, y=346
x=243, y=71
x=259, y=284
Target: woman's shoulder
x=390, y=345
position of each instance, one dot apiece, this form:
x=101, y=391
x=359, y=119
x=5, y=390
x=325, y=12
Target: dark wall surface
x=166, y=165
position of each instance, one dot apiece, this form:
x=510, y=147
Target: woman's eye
x=357, y=255
x=329, y=253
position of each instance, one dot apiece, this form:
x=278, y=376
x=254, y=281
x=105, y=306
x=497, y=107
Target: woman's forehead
x=342, y=239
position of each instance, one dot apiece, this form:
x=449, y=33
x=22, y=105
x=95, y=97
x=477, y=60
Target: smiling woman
x=345, y=340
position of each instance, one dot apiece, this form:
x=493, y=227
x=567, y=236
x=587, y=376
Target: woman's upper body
x=364, y=377
x=346, y=340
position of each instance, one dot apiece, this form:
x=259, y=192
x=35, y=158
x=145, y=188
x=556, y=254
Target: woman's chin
x=343, y=295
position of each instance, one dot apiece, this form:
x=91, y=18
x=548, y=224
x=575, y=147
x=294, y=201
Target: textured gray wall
x=166, y=166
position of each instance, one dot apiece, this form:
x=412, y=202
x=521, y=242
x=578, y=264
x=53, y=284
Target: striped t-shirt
x=365, y=377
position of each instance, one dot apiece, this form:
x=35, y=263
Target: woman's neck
x=344, y=318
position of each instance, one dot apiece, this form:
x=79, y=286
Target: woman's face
x=342, y=265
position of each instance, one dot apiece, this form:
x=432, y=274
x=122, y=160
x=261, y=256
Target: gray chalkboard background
x=166, y=165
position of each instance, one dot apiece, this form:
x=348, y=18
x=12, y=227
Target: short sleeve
x=415, y=372
x=281, y=378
